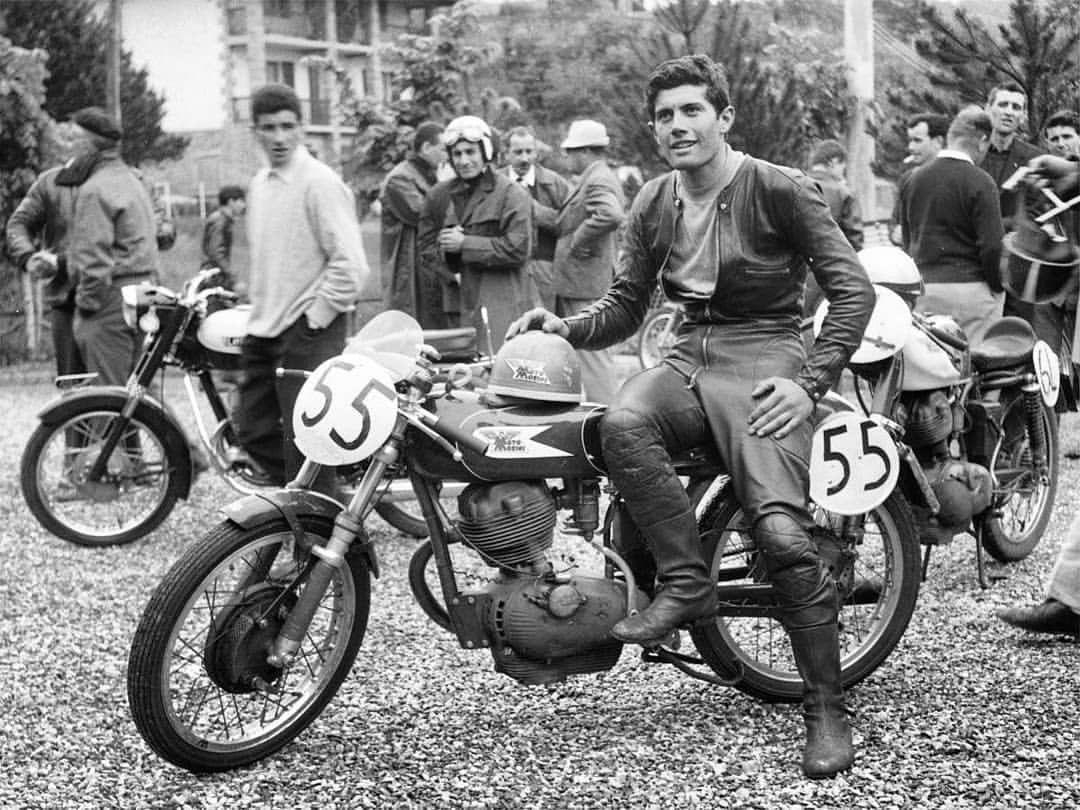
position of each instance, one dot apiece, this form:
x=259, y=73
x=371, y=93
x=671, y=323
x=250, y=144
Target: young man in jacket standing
x=585, y=253
x=730, y=237
x=549, y=191
x=217, y=239
x=307, y=268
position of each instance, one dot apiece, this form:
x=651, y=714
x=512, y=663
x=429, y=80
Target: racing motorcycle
x=976, y=422
x=106, y=465
x=254, y=628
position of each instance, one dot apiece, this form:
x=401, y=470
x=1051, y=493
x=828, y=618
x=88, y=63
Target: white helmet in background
x=893, y=269
x=472, y=129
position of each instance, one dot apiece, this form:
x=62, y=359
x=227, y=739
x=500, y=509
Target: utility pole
x=112, y=60
x=859, y=56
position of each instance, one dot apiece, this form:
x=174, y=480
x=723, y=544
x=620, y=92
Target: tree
x=24, y=135
x=1038, y=47
x=76, y=39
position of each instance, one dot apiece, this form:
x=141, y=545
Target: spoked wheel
x=878, y=586
x=658, y=336
x=1024, y=497
x=136, y=493
x=200, y=688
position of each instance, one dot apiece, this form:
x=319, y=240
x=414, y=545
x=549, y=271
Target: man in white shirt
x=307, y=267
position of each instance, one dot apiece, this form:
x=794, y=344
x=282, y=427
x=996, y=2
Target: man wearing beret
x=112, y=242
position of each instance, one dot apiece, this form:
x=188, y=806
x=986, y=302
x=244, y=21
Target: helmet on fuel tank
x=537, y=366
x=890, y=267
x=472, y=129
x=1038, y=263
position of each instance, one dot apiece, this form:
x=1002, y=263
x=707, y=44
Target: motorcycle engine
x=542, y=627
x=546, y=628
x=509, y=523
x=927, y=420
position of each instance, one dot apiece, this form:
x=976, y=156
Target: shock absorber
x=1033, y=414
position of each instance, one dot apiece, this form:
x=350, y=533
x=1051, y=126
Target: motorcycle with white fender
x=252, y=631
x=976, y=421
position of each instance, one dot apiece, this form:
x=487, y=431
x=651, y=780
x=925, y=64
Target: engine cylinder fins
x=509, y=523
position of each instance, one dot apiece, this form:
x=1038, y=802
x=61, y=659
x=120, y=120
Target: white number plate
x=345, y=410
x=854, y=464
x=1048, y=371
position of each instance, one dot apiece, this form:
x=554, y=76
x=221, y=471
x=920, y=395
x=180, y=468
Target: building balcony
x=316, y=112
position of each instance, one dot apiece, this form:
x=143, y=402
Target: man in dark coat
x=476, y=231
x=217, y=239
x=402, y=197
x=585, y=253
x=549, y=191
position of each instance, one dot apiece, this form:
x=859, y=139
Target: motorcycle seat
x=1006, y=344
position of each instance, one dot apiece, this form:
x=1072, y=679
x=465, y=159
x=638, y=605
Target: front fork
x=348, y=525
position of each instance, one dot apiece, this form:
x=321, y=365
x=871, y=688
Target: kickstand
x=926, y=560
x=980, y=564
x=659, y=655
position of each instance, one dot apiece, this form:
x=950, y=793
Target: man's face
x=578, y=160
x=279, y=134
x=467, y=159
x=237, y=206
x=1007, y=111
x=920, y=146
x=687, y=128
x=522, y=153
x=1064, y=141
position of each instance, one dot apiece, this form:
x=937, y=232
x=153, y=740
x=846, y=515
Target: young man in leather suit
x=730, y=237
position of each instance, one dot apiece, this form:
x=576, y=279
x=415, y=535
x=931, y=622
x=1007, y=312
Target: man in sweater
x=307, y=267
x=950, y=223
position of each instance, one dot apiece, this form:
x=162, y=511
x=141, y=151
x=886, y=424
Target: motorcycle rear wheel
x=137, y=493
x=872, y=619
x=1022, y=501
x=199, y=688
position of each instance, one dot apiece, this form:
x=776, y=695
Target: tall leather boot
x=685, y=590
x=829, y=749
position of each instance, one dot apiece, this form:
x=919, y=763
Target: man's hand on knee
x=781, y=406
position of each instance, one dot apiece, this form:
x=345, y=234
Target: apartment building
x=206, y=56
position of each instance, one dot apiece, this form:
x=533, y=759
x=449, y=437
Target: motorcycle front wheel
x=136, y=493
x=1023, y=498
x=878, y=589
x=199, y=686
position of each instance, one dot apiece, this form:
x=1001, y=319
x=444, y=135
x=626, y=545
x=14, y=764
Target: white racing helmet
x=472, y=129
x=890, y=267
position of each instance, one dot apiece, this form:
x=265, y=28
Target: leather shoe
x=1051, y=616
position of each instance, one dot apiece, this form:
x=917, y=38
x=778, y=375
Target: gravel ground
x=965, y=713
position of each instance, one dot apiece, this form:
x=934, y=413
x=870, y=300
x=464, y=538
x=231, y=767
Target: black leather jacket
x=773, y=223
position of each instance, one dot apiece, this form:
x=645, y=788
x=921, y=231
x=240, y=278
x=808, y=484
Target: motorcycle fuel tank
x=223, y=331
x=927, y=365
x=530, y=440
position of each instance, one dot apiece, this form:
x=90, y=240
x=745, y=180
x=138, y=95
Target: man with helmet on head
x=475, y=231
x=731, y=238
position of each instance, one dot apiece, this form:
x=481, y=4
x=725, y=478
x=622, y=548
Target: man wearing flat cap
x=585, y=251
x=112, y=243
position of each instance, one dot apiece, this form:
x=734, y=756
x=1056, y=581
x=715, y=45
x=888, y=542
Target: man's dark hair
x=274, y=98
x=426, y=132
x=937, y=126
x=826, y=152
x=1006, y=87
x=1063, y=118
x=696, y=69
x=227, y=194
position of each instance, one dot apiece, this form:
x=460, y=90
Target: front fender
x=292, y=505
x=150, y=411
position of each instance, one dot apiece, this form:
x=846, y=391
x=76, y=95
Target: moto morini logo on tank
x=517, y=442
